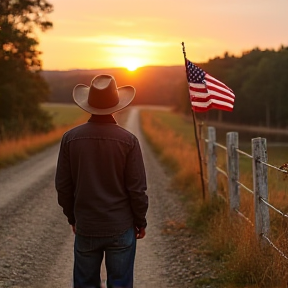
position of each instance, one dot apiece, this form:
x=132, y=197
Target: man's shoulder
x=108, y=129
x=75, y=129
x=125, y=131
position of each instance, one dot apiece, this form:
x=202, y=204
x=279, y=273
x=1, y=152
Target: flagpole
x=196, y=134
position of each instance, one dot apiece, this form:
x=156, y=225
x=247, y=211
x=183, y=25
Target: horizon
x=155, y=66
x=131, y=35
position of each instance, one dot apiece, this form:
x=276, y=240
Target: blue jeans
x=119, y=260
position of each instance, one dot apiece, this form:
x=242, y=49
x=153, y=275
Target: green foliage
x=22, y=87
x=259, y=81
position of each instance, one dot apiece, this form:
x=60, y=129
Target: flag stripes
x=206, y=92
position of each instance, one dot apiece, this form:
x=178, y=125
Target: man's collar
x=102, y=119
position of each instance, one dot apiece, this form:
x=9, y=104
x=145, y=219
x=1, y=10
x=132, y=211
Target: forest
x=259, y=79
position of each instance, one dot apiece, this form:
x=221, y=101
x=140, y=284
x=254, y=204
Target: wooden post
x=233, y=170
x=212, y=159
x=260, y=184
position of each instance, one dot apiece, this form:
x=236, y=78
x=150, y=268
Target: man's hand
x=73, y=228
x=140, y=233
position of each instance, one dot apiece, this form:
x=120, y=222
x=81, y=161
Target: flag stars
x=195, y=74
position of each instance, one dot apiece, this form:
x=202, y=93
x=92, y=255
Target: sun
x=131, y=66
x=131, y=63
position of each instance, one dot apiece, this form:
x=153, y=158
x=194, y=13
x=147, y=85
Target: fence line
x=260, y=179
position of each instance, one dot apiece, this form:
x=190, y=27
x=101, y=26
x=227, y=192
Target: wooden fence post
x=233, y=169
x=260, y=184
x=212, y=158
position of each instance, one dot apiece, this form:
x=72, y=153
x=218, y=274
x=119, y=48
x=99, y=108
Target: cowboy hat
x=103, y=97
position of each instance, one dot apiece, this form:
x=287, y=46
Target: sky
x=93, y=34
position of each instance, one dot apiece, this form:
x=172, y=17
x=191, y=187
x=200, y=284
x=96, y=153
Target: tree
x=22, y=88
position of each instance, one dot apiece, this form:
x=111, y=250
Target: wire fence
x=260, y=182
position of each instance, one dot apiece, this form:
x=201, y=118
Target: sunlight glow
x=131, y=63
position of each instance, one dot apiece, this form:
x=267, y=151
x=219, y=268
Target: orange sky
x=124, y=33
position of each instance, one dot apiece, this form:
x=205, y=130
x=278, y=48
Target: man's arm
x=64, y=183
x=135, y=181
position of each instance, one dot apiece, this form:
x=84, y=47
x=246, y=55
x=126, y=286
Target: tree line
x=259, y=79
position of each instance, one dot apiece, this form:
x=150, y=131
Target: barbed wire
x=220, y=145
x=274, y=246
x=250, y=156
x=243, y=216
x=271, y=206
x=244, y=153
x=222, y=171
x=272, y=166
x=245, y=187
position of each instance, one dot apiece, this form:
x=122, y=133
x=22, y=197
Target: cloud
x=120, y=41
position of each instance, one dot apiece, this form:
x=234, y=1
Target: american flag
x=206, y=92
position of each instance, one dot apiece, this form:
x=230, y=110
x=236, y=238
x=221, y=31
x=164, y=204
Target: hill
x=155, y=85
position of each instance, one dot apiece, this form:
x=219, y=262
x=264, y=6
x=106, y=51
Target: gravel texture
x=36, y=242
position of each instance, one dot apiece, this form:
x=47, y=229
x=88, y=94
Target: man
x=101, y=184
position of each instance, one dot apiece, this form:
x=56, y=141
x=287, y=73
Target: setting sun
x=131, y=63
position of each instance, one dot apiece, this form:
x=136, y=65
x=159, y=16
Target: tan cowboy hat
x=103, y=97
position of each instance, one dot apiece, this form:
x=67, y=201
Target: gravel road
x=36, y=243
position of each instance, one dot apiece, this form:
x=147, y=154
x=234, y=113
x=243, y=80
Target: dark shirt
x=100, y=178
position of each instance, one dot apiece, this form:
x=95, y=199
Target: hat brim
x=81, y=92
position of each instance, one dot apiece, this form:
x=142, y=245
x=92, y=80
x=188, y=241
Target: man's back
x=106, y=171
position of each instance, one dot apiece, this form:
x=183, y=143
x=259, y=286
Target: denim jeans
x=119, y=260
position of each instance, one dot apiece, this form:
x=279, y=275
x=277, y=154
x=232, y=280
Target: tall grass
x=230, y=239
x=64, y=116
x=179, y=154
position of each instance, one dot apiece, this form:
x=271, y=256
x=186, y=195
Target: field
x=64, y=117
x=229, y=239
x=64, y=114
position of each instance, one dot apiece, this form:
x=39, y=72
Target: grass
x=229, y=238
x=177, y=153
x=63, y=114
x=64, y=117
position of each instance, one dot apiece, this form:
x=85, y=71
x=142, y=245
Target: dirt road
x=36, y=242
